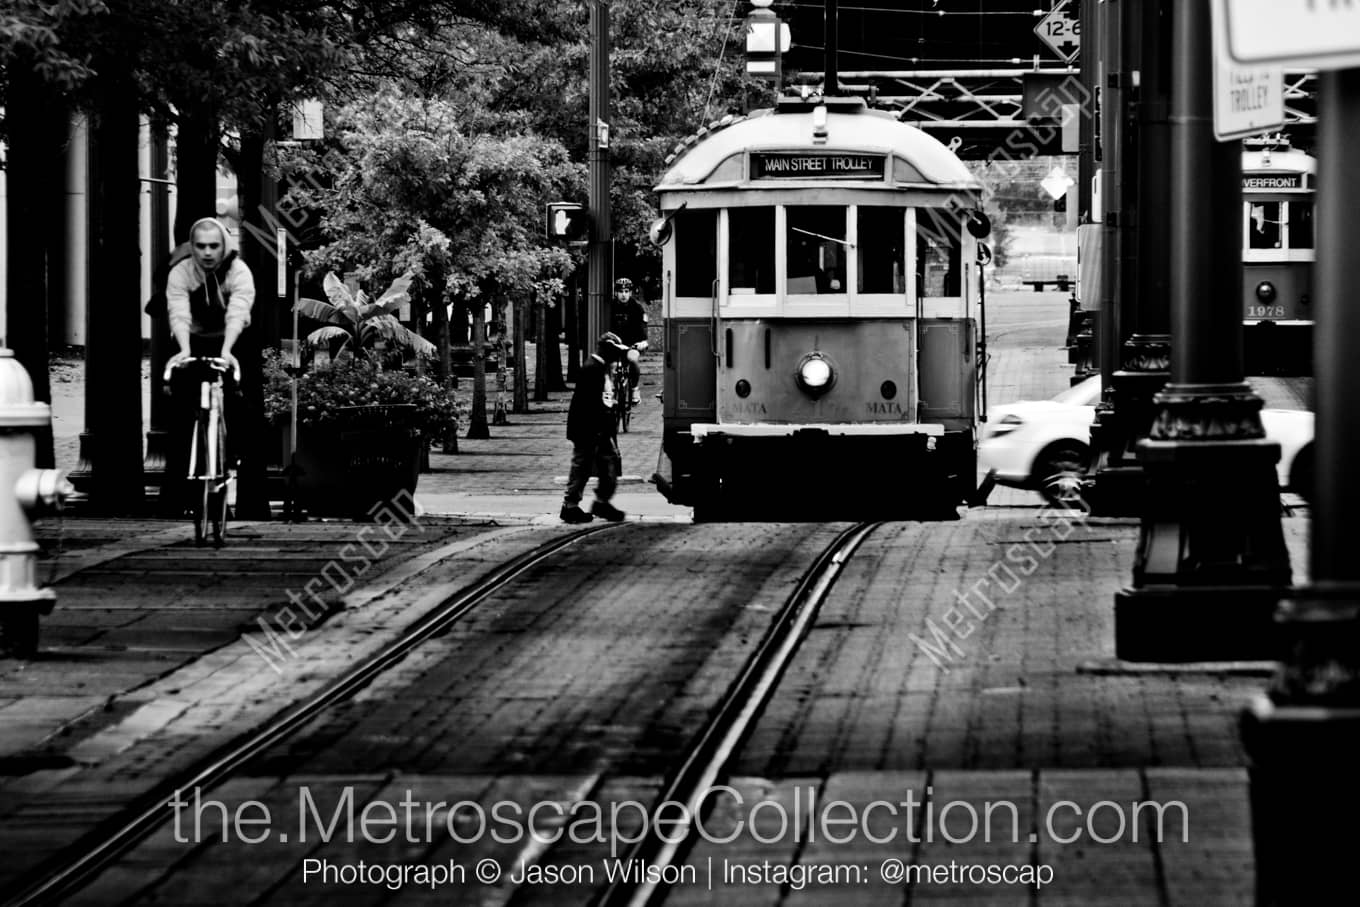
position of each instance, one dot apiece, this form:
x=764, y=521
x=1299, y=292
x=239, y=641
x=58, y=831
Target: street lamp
x=766, y=39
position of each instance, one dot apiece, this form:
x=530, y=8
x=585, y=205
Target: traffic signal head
x=568, y=221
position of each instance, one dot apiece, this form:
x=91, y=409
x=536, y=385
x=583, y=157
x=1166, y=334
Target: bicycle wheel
x=197, y=456
x=217, y=503
x=217, y=497
x=202, y=507
x=625, y=404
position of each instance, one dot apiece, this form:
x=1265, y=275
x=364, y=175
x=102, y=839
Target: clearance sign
x=795, y=165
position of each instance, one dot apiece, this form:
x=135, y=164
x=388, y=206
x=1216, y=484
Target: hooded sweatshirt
x=208, y=301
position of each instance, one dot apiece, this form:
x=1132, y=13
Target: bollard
x=25, y=492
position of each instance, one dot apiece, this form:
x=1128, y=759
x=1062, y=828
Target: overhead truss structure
x=973, y=110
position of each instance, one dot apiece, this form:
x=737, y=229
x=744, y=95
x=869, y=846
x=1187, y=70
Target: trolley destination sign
x=797, y=165
x=1268, y=181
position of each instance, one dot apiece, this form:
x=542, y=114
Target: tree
x=408, y=190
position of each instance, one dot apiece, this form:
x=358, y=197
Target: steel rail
x=76, y=865
x=734, y=717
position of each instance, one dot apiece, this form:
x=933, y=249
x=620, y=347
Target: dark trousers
x=599, y=457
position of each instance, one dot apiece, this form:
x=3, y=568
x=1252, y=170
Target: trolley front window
x=816, y=248
x=881, y=236
x=750, y=244
x=939, y=253
x=1263, y=228
x=696, y=252
x=1301, y=224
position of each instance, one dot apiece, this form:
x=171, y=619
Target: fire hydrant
x=25, y=493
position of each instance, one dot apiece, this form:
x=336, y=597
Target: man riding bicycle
x=209, y=295
x=628, y=319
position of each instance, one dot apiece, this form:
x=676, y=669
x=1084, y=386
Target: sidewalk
x=520, y=472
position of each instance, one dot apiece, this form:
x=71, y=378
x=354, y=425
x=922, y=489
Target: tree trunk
x=575, y=331
x=552, y=367
x=113, y=360
x=541, y=363
x=477, y=426
x=441, y=337
x=520, y=397
x=37, y=126
x=196, y=143
x=258, y=194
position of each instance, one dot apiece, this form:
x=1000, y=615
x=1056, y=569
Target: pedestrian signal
x=568, y=221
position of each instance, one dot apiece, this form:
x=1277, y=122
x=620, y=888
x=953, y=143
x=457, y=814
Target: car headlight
x=1005, y=425
x=815, y=374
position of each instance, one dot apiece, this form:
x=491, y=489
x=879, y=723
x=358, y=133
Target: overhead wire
x=717, y=66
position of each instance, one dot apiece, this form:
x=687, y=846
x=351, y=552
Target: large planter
x=369, y=456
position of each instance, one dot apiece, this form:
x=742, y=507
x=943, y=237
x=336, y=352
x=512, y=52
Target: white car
x=1045, y=444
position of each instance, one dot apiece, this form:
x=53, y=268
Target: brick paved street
x=586, y=692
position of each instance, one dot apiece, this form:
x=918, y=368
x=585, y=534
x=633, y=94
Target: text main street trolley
x=820, y=293
x=1278, y=195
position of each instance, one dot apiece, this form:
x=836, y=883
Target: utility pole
x=832, y=78
x=600, y=267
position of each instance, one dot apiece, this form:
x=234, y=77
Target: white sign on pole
x=1061, y=31
x=1248, y=100
x=281, y=254
x=1313, y=34
x=1056, y=183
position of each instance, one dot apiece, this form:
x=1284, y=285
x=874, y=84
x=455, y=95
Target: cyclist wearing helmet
x=628, y=319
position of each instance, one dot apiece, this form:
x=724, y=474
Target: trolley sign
x=1061, y=31
x=1248, y=100
x=1312, y=34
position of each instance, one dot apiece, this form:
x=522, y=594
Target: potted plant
x=359, y=324
x=362, y=427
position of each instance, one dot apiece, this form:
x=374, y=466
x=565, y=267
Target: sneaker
x=606, y=511
x=575, y=514
x=637, y=397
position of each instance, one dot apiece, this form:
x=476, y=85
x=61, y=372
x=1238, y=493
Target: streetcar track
x=69, y=869
x=734, y=717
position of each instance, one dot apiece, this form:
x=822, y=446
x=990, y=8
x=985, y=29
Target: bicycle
x=208, y=463
x=623, y=390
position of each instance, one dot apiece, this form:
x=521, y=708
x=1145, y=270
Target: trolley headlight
x=815, y=374
x=1265, y=291
x=743, y=388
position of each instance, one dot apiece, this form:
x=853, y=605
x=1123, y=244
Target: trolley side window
x=750, y=254
x=939, y=253
x=696, y=252
x=882, y=253
x=1263, y=225
x=1300, y=216
x=815, y=244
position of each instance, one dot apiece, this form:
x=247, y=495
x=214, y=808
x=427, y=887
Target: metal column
x=600, y=271
x=1211, y=562
x=1304, y=737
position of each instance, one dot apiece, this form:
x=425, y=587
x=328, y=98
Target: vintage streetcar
x=1277, y=261
x=820, y=297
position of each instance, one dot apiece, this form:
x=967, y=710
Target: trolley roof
x=850, y=127
x=1283, y=161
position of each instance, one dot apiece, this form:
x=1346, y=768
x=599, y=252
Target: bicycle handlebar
x=216, y=363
